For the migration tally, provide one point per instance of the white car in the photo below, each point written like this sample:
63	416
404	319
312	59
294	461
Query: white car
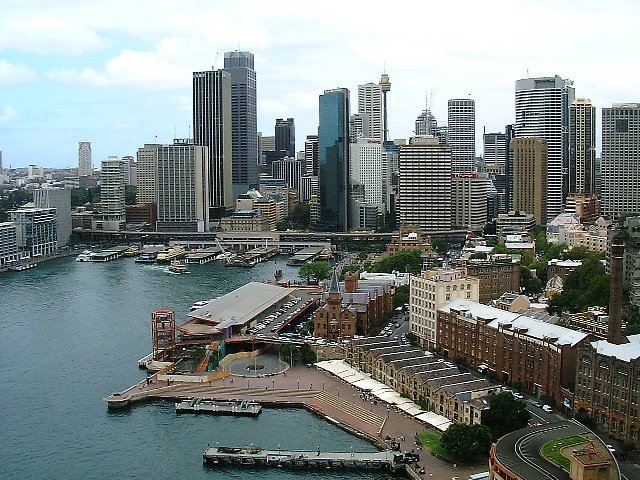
547	408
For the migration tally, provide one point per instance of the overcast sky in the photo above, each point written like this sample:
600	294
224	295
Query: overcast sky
118	73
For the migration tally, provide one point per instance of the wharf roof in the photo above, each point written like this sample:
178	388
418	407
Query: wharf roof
625	352
241	305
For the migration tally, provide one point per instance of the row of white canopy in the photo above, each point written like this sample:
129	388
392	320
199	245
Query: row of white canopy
364	382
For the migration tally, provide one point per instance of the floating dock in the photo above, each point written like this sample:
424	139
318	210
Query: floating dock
108	254
252	257
257	457
305	255
237	408
204	255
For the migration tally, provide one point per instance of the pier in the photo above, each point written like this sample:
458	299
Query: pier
108	254
305	255
235	408
204	255
257	457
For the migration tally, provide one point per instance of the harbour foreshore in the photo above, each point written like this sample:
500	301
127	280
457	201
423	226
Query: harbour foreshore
324	395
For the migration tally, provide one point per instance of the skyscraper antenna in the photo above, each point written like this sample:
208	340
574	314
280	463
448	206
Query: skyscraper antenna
384	66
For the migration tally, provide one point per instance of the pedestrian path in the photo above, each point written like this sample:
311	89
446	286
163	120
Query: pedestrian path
353	409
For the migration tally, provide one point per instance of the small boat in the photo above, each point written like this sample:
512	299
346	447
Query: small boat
84	256
278	274
177	266
132	251
198	304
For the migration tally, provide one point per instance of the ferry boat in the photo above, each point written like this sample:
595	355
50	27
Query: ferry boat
85	256
132	251
169	254
177	266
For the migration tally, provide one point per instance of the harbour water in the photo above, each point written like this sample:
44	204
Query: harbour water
72	332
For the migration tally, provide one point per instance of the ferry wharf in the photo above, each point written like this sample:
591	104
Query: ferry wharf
257	457
324	395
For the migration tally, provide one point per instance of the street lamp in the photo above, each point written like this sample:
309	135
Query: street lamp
322	384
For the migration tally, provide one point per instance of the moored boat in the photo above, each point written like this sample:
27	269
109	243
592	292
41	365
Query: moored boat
169	254
177	266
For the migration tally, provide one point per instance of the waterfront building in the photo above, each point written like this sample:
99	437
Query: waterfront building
333	160
112	196
582	147
530	167
244	121
183	188
371	109
516	347
147	171
461	113
469	200
288	169
245	221
212	129
8	244
60	199
425	184
85	165
352	307
542	110
431	290
36	231
285	136
621	159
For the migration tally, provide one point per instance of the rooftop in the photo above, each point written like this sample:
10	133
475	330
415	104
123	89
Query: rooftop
625	352
242	304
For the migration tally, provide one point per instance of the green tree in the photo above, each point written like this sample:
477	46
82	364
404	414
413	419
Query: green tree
283	225
505	414
404	261
12	200
401	296
466	441
478	255
500	248
300	216
439	245
584	418
586	286
530	285
318	270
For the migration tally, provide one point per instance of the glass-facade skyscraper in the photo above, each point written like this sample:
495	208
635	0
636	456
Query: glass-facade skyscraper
333	160
244	121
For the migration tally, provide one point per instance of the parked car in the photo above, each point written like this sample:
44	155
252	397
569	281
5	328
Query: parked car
547	408
536	404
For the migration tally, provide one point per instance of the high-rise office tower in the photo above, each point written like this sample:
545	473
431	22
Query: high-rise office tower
461	113
358	124
0	162
85	166
385	87
183	187
469	200
426	124
494	148
311	155
147	157
530	165
333	160
425	184
288	169
244	121
509	134
621	159
582	147
370	106
285	136
112	193
542	110
366	169
60	199
212	129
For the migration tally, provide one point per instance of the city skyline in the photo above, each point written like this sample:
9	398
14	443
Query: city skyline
89	73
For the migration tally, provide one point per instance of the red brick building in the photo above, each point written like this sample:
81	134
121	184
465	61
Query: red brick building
353	309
